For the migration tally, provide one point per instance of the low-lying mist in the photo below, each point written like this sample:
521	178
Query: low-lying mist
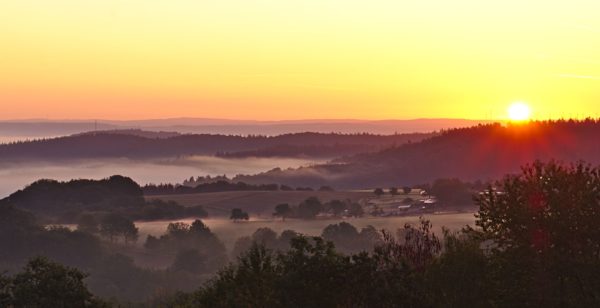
14	176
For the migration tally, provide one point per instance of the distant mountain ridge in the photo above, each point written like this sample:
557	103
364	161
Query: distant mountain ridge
39	128
135	144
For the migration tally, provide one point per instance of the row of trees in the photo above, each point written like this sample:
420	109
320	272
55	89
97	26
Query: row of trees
220	186
394	191
346	238
312	206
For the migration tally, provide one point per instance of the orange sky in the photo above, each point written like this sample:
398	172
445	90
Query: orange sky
298	59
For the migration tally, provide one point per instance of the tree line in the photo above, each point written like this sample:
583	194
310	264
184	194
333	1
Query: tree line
219	186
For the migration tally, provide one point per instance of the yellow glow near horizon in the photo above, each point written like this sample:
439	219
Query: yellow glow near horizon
273	59
519	112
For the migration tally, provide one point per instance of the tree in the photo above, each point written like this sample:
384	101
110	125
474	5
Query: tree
189	260
544	225
114	225
87	223
452	192
282	210
378	192
344	236
355	210
393	191
337	207
43	283
238	214
309	208
265	236
406	190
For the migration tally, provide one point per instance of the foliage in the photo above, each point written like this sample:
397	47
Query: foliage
62	199
181	236
282	210
348	240
452	192
546	221
88	223
113	226
237	214
189	260
43	283
309	208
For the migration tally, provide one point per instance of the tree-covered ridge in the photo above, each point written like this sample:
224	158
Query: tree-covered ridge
118	145
481	152
69	201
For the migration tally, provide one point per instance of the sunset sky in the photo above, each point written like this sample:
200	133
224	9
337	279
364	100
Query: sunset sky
298	59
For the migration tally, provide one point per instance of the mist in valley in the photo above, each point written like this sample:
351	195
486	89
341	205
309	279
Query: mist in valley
15	176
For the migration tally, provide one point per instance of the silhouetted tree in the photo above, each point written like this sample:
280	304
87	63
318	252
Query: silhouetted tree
114	225
238	214
355	210
544	224
406	190
43	283
336	207
378	192
393	191
309	208
282	210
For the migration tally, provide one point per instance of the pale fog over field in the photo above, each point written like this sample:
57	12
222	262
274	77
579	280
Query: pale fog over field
14	176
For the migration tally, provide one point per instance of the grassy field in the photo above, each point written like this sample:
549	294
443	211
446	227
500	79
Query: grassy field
259	204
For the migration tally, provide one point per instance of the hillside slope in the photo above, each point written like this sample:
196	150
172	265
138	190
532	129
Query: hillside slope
134	145
476	153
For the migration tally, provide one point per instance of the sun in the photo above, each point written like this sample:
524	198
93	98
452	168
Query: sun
519	111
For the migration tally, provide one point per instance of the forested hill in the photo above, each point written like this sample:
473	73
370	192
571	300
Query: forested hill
480	152
119	144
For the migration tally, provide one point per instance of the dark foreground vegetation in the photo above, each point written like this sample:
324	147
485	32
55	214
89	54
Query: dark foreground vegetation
536	244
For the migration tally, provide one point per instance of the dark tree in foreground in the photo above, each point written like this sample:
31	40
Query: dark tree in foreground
393	191
43	283
378	192
238	214
406	190
544	226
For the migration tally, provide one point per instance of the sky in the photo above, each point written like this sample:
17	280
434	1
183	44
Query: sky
298	59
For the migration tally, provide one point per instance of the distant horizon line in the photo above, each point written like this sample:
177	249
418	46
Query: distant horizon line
247	120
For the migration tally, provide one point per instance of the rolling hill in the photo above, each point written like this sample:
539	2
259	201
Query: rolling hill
136	144
477	153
